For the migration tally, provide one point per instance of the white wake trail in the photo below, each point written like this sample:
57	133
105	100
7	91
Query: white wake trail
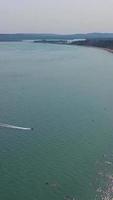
14	127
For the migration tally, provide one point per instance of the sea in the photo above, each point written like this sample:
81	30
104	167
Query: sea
65	93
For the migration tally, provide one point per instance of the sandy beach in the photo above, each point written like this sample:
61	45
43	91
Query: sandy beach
109	50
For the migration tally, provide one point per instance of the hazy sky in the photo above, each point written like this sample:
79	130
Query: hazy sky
56	16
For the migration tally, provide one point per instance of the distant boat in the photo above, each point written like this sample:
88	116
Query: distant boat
14	127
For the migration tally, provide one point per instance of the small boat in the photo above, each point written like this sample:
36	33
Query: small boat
14	127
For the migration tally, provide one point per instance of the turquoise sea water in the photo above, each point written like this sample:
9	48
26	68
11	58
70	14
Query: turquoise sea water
66	94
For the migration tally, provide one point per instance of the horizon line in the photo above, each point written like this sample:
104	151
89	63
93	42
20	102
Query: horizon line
50	33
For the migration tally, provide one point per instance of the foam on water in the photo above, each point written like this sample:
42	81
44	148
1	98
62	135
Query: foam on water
105	179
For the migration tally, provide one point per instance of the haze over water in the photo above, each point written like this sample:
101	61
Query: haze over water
66	94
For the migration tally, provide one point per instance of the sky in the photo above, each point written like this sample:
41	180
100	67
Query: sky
56	16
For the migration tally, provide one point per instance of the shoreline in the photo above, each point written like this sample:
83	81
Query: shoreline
108	50
101	48
77	43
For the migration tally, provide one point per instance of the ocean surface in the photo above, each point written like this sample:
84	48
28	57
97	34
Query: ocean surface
66	94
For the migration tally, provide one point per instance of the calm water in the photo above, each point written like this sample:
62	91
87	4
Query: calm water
66	94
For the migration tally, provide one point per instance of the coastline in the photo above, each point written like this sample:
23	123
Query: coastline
79	43
109	50
101	48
